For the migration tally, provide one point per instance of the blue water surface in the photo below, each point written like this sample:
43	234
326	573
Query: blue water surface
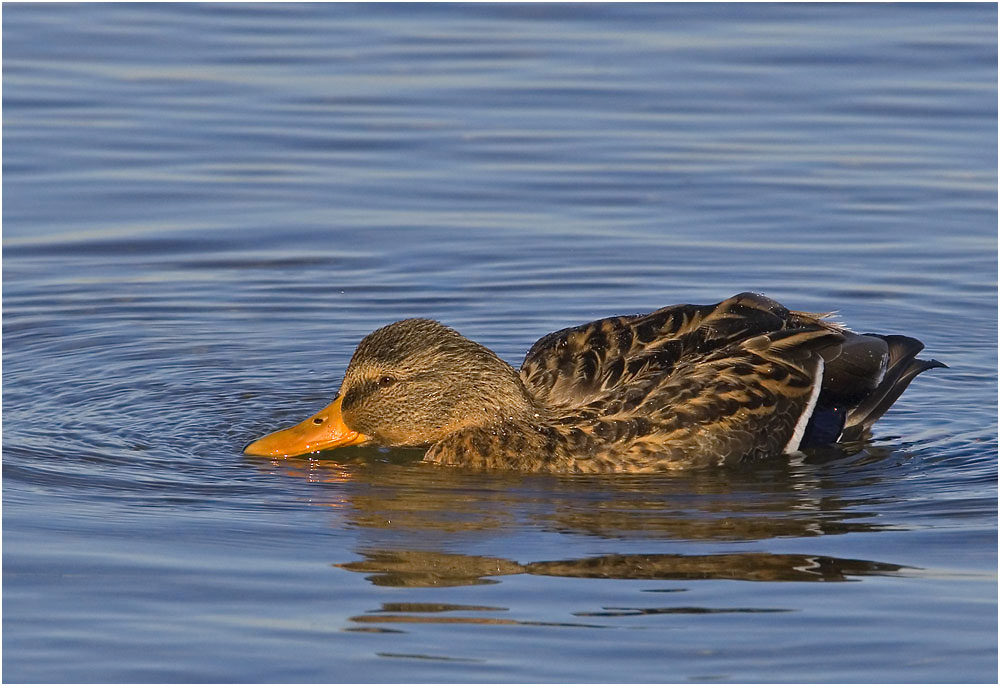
206	206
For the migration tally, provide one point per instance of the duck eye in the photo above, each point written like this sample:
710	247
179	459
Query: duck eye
386	381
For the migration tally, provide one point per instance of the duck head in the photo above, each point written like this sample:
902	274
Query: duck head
410	383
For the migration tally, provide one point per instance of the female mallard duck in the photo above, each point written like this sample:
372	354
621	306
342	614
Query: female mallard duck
684	386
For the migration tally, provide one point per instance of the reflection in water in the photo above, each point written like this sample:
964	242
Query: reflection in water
640	611
423	569
390	497
436	607
774	499
407	513
415	568
376	616
496	621
419	656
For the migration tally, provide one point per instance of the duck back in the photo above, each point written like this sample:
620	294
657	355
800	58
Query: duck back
710	384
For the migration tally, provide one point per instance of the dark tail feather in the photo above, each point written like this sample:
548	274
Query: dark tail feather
901	368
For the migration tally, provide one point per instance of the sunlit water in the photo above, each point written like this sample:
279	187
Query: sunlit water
206	207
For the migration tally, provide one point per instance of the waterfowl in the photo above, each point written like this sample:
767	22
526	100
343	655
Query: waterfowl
684	386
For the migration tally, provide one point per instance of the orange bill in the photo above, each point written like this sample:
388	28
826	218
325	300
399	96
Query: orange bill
324	430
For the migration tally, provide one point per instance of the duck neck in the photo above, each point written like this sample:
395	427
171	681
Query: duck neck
494	395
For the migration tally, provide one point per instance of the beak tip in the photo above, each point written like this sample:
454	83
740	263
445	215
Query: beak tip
258	448
249	450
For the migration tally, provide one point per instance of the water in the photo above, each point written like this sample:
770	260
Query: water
207	206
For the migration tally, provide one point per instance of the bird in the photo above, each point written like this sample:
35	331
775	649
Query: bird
685	386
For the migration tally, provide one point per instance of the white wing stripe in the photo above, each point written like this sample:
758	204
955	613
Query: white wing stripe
807	413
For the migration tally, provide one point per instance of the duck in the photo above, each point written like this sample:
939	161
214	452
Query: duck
685	386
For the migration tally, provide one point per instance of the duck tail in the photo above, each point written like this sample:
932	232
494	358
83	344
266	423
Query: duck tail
868	374
901	367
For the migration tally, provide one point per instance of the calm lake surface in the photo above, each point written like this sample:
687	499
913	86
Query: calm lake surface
207	206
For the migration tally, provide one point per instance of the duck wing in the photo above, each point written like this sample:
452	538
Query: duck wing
745	401
575	367
690	384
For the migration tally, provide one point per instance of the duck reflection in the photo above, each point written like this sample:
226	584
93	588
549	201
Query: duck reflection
772	500
408	513
423	569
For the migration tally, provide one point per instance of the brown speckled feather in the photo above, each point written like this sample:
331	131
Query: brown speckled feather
569	368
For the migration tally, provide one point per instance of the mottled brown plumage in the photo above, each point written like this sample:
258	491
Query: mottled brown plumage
684	386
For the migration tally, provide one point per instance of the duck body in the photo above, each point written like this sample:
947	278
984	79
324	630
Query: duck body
684	386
